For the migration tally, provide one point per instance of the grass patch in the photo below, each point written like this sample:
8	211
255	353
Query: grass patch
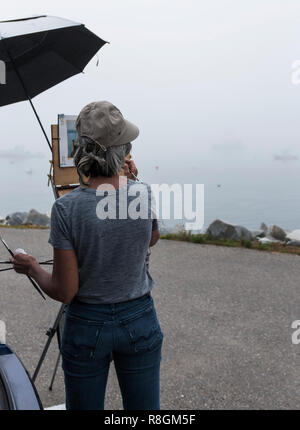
206	239
25	227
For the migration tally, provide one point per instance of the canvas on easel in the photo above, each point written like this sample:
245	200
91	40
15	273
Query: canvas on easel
67	138
64	178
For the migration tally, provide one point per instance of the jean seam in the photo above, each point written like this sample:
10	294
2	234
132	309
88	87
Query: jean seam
64	344
136	315
157	336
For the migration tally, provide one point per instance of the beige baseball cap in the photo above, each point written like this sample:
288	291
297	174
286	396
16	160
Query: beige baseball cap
103	123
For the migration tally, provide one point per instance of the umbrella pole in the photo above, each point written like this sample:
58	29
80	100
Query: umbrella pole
39	121
27	95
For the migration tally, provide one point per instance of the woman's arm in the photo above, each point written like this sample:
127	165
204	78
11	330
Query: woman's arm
154	237
62	284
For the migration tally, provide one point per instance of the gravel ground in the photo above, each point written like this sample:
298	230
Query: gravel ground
226	314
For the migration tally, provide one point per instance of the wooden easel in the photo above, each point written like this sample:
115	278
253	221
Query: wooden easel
63	179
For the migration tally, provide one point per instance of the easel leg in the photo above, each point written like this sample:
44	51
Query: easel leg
58	357
51	332
54	372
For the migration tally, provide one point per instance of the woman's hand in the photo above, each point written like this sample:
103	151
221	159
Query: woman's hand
23	263
62	284
129	167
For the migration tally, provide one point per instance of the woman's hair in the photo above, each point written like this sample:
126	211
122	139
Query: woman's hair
92	161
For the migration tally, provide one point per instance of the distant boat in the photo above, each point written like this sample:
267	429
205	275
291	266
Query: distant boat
285	157
218	185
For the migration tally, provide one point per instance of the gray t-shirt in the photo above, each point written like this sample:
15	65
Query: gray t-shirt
111	252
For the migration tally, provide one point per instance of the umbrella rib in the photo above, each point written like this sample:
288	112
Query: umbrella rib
28	50
24	19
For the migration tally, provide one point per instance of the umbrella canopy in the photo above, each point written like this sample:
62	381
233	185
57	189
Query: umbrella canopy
40	52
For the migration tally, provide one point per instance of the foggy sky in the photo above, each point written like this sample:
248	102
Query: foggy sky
207	82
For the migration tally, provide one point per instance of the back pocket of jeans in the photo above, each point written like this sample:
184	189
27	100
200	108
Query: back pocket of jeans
143	330
80	338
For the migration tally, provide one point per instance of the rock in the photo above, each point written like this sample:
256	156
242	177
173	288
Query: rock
264	227
178	228
224	230
174	229
257	233
16	218
36	218
293	243
276	232
268	240
163	229
293	235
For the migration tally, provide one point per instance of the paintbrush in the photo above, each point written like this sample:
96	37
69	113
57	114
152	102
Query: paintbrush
30	279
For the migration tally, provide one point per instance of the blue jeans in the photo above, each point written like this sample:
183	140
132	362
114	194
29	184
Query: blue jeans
131	331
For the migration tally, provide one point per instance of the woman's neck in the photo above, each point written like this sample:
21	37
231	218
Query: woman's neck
117	181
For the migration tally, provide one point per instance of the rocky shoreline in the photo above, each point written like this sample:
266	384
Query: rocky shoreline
218	229
31	218
224	230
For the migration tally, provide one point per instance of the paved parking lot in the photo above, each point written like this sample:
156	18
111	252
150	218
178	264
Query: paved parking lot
226	314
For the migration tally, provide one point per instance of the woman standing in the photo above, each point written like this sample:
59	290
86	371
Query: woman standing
100	248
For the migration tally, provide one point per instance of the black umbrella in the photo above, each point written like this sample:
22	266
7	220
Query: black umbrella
39	52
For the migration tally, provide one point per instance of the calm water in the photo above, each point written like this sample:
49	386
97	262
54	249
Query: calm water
248	195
